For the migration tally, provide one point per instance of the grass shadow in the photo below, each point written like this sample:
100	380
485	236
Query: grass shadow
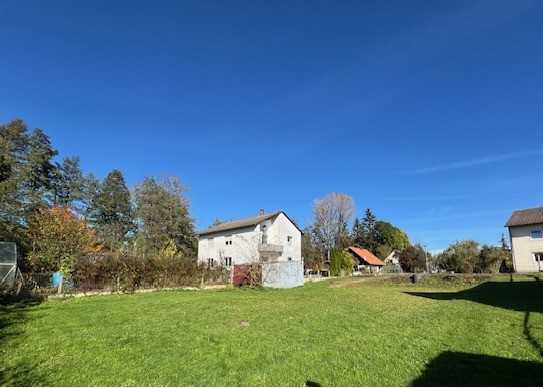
14	312
518	296
22	375
465	369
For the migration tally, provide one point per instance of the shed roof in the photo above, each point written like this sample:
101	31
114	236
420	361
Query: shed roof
243	223
526	217
367	256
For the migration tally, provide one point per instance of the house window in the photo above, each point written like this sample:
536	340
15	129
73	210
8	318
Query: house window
228	240
536	234
289	240
538	257
228	261
264	238
210	262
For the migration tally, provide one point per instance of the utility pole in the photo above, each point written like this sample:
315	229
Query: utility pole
426	259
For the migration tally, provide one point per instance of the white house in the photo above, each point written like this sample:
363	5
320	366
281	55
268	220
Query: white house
393	258
271	239
526	233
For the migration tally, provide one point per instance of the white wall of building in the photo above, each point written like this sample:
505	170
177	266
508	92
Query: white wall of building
243	250
245	242
524	247
279	232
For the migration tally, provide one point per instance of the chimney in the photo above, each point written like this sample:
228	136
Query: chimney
261	212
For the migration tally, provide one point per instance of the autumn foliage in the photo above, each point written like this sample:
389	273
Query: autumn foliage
58	239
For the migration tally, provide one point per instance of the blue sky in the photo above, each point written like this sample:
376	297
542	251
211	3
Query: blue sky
429	113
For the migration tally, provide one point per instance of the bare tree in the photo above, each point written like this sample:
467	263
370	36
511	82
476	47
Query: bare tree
331	216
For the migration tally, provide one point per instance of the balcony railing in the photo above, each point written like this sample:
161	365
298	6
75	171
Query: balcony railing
270	248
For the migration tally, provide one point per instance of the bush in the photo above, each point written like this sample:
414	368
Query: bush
341	262
461	257
110	271
469	257
492	259
413	259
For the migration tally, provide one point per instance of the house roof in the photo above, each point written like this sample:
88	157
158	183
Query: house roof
526	217
243	223
366	255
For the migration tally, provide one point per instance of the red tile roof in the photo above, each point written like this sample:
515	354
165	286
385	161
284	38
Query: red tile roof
366	255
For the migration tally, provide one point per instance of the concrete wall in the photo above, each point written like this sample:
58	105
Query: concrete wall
524	247
283	274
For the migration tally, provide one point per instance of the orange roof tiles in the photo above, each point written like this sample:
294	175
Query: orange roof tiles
367	256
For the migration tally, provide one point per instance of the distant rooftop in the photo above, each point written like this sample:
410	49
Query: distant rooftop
526	217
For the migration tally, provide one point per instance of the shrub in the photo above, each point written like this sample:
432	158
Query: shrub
341	262
123	272
413	259
461	256
491	259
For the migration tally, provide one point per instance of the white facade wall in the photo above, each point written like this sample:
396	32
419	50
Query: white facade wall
278	234
243	250
524	247
245	242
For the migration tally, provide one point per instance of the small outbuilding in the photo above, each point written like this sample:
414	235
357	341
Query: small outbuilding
365	261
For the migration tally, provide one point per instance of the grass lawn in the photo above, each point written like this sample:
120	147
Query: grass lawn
346	332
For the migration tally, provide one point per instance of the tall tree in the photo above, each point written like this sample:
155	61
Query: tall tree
89	195
365	234
389	238
331	217
13	150
311	253
163	215
112	210
68	183
39	169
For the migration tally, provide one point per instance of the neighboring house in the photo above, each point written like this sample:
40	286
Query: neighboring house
393	258
271	239
365	261
526	233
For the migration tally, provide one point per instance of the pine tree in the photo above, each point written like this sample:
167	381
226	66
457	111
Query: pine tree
13	151
163	215
112	210
368	236
357	234
68	183
39	170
